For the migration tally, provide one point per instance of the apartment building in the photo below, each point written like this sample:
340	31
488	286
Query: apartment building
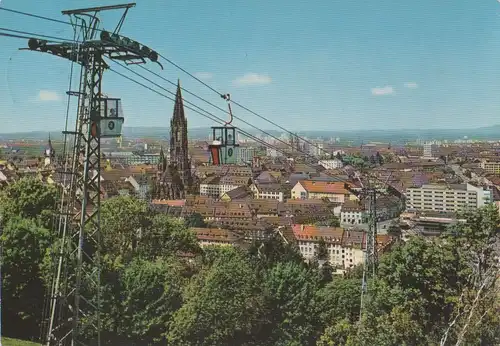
448	198
430	150
216	186
492	167
268	191
353	213
331	164
246	154
345	248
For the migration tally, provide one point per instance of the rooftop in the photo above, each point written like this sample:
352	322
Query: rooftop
324	187
215	234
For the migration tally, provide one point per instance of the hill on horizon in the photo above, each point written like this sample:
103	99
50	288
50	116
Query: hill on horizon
388	135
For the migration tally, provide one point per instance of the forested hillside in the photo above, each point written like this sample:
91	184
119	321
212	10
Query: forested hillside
428	292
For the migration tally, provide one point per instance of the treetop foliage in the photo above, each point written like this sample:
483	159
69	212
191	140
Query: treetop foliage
440	291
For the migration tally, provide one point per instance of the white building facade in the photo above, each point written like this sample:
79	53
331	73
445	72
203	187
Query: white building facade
331	164
447	198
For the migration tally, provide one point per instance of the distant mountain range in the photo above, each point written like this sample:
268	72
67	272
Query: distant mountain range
392	136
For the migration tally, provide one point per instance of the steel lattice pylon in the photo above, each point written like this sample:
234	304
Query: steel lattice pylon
75	297
368	194
371	239
80	263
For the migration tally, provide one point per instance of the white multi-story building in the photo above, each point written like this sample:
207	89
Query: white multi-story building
272	152
448	198
216	186
246	154
430	150
331	164
492	167
267	191
318	149
345	249
353	213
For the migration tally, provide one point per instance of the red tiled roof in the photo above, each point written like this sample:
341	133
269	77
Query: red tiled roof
324	187
338	235
171	203
310	232
215	234
352	206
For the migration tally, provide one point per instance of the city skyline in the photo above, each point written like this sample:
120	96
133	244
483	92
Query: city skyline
352	66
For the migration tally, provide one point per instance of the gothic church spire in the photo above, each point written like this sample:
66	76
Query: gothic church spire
179	104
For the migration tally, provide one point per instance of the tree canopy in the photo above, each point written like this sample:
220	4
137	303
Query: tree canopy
159	287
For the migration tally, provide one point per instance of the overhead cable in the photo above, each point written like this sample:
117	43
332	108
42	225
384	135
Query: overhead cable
186	72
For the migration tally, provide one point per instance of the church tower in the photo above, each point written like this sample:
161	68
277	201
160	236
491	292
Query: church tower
179	156
174	180
162	161
49	154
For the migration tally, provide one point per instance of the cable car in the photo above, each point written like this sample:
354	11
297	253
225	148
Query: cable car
111	119
224	149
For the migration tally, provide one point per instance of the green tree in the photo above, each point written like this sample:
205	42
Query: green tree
398	327
139	298
131	228
223	305
341	333
290	290
425	274
25	243
195	220
332	221
152	292
394	229
266	254
340	299
167	236
475	244
323	260
430	291
322	251
26	215
122	220
29	198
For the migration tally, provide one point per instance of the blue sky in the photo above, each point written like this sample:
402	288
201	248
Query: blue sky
321	64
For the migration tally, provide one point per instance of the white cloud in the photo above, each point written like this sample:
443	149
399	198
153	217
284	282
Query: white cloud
387	90
253	79
204	75
411	85
48	96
